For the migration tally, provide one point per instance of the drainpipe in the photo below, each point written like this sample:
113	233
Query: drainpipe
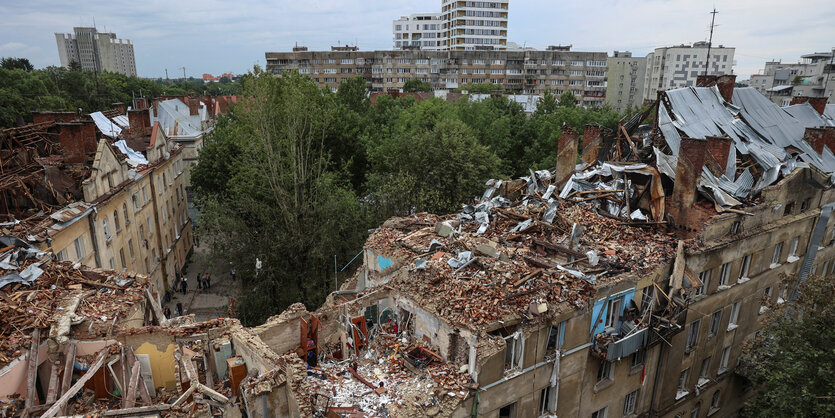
94	236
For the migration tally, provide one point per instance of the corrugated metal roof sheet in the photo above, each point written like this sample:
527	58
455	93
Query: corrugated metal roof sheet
807	115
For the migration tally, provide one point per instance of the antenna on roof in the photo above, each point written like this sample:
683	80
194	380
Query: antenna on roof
710	41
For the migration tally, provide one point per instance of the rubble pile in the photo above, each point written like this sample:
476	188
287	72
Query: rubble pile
502	258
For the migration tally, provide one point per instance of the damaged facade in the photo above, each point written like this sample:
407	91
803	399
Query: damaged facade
621	286
106	190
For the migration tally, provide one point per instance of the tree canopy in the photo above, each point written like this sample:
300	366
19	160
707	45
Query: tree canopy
413	85
792	362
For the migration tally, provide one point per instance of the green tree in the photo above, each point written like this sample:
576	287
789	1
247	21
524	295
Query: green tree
74	66
414	85
792	362
568	99
268	195
547	104
10	63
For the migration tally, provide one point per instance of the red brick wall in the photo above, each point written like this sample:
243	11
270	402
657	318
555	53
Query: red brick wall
48	116
819	103
77	139
568	135
591	133
719	147
818	137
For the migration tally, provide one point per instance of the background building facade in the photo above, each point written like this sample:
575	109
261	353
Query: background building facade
418	31
475	25
812	76
96	51
625	80
526	72
678	66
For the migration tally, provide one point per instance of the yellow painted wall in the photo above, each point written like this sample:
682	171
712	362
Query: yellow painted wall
162	364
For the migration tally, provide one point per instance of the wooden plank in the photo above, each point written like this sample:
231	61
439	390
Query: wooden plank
212	393
52	392
143	390
134	380
66	379
139	411
184	396
32	373
51	412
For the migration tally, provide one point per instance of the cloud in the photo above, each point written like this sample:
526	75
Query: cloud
216	35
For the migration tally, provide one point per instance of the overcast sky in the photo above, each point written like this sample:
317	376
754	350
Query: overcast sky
212	36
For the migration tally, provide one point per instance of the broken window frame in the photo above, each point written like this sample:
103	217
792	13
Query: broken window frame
695	412
125	213
612	314
515	347
778	252
704	277
556	332
793	246
724	360
630	402
714	399
682	380
105	227
637	359
693	336
704	369
548	400
512	412
79	248
744	266
116	223
605	371
715	321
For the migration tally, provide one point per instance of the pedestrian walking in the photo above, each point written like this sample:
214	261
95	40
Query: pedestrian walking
185	285
208	280
200	280
233	273
167	312
179	309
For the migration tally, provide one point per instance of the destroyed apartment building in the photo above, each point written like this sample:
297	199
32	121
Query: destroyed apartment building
620	286
107	189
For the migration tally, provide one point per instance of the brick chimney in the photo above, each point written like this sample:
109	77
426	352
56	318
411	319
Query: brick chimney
566	154
222	104
691	159
719	147
210	106
120	107
592	136
140	103
77	139
155	106
819	103
193	105
725	82
818	137
140	122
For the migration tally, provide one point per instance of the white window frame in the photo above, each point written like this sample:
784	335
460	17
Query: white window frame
548	400
732	321
793	250
515	345
605	371
744	266
79	248
725	274
723	361
693	336
704	277
613	314
601	413
715	321
775	256
704	372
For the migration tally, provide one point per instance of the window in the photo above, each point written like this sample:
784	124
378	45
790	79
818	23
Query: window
554	338
116	221
789	209
723	362
112	264
605	371
79	248
734	316
548	400
62	255
743	267
695	412
125	213
715	320
106	228
601	413
122	257
513	351
804	204
136	203
682	381
612	313
144	193
150	227
629	403
704	371
693	335
793	248
735	228
142	232
723	276
508	411
714	400
775	257
130	249
704	277
637	359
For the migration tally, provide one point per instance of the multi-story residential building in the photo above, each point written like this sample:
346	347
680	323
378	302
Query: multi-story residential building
460	26
625	80
475	25
812	76
113	195
419	31
526	72
96	51
679	66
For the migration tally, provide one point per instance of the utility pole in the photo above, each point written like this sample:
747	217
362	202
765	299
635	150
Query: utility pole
166	74
710	41
184	73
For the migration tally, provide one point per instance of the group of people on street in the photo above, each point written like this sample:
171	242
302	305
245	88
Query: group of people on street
178	310
204	281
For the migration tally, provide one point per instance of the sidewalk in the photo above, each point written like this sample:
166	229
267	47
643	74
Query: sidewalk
209	303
